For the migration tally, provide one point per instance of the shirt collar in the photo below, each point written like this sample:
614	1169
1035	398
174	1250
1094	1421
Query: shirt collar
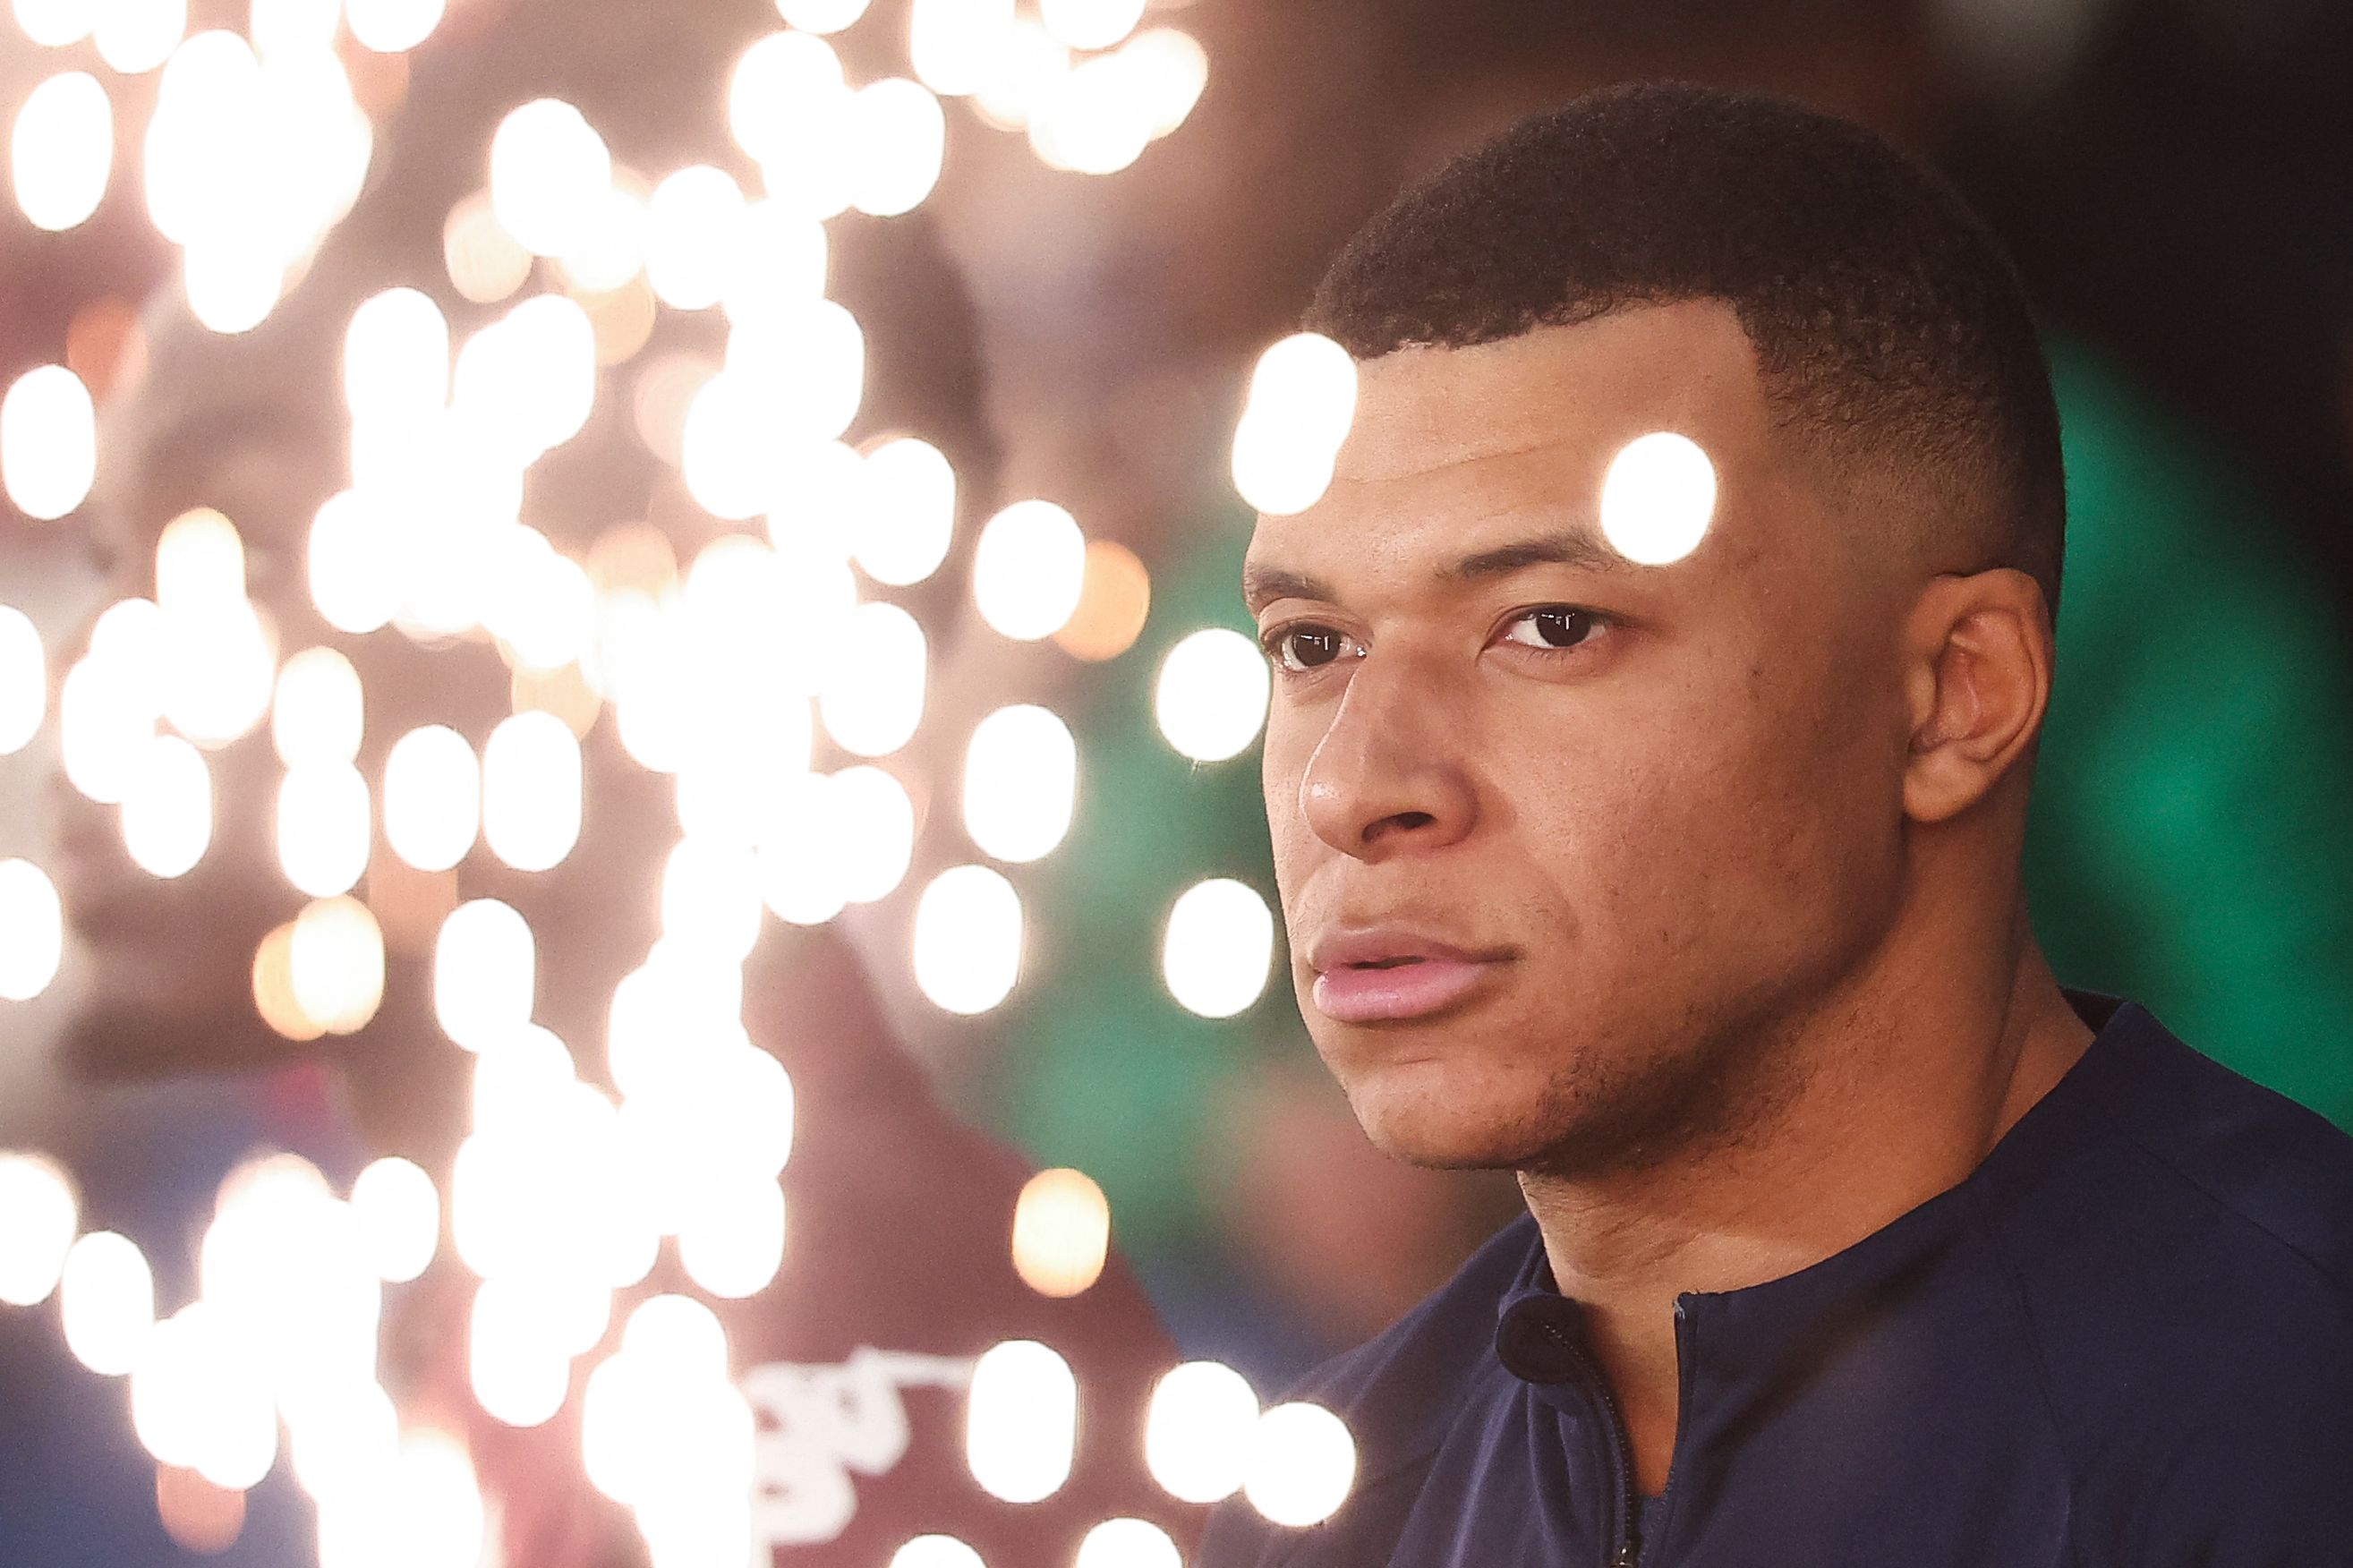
1541	1334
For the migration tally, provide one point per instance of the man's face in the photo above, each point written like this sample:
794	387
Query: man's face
1634	819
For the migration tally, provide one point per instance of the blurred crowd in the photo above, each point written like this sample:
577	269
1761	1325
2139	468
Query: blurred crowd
2173	176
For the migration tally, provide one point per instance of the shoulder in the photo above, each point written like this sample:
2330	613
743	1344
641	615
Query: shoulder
2232	1163
1400	1392
2186	1270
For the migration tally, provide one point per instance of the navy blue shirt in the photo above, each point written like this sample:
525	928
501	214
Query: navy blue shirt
2124	1340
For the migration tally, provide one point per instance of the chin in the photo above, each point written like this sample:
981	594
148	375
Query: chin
1428	1115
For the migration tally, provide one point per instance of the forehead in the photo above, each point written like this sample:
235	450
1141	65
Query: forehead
1453	450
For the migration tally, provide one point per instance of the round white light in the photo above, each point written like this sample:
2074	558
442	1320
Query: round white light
1212	694
1128	1544
432	797
897	137
62	150
1198	1429
1020	783
1021	1421
1301	1465
1218	947
38	1217
24	680
167	812
48	442
967	939
1028	570
936	1551
399	1217
393	27
106	1299
909	517
549	170
1658	498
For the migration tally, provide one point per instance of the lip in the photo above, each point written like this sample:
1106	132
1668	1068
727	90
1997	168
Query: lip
1420	974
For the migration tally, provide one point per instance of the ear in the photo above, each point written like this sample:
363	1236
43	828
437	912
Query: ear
1978	660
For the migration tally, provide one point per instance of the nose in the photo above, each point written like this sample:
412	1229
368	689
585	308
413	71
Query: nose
1389	774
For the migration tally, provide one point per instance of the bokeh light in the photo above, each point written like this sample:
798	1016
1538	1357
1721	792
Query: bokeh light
324	827
821	15
393	27
967	939
54	24
106	1302
1128	1544
24	680
733	1242
485	974
875	819
397	359
134	36
1029	568
1198	1429
38	1216
432	797
1657	499
1169	70
908	519
1113	603
531	791
32	933
952	44
1090	24
1302	1464
354	581
167	811
874	696
1303	400
518	1376
1020	783
549	171
62	150
48	442
1024	68
1218	947
399	1215
1021	1421
1091	119
336	956
898	136
1210	700
690	225
936	1551
273	986
1062	1232
318	714
485	263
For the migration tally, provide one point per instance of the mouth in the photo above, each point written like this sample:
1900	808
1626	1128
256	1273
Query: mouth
1386	978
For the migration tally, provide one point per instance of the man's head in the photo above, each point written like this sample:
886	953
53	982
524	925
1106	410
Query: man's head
1668	812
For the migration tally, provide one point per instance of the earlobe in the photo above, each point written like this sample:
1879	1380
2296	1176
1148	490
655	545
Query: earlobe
1978	656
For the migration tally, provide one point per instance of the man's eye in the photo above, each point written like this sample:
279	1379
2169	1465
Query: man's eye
1300	649
1555	628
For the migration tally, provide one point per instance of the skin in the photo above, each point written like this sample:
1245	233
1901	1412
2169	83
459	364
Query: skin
1745	848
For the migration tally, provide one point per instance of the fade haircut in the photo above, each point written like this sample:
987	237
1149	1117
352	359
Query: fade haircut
1892	334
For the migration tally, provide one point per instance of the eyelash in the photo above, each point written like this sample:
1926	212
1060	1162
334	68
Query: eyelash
1274	640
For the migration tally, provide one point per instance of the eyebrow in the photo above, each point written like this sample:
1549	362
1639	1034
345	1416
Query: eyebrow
1565	547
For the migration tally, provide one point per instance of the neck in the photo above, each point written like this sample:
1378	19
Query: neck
1902	1080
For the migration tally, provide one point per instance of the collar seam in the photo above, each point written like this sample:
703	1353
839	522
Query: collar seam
1983	1229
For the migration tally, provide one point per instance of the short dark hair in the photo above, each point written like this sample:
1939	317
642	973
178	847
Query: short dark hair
1890	328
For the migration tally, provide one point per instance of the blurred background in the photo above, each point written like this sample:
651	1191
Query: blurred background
561	557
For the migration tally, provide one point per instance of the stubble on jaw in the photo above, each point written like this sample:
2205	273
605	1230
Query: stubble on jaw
1713	1091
